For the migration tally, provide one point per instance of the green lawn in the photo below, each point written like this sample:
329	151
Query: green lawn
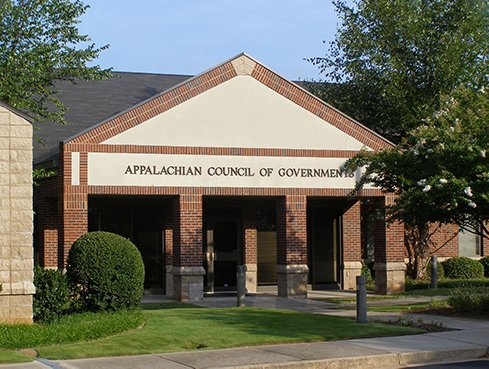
169	329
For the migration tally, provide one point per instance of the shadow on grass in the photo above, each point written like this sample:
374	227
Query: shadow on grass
283	324
168	305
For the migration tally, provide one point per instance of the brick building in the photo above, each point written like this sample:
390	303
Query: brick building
234	166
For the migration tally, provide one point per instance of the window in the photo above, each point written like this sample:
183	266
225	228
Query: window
469	244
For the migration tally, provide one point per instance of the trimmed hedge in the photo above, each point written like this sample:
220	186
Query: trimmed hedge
463	268
106	272
52	298
447	283
471	300
485	263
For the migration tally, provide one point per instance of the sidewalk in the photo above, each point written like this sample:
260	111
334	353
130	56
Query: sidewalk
469	341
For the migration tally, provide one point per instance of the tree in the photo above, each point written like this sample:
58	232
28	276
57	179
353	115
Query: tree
439	172
393	60
39	44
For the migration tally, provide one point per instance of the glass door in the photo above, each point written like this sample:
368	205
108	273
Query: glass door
222	254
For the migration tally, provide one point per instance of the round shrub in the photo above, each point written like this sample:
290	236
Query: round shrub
485	263
52	298
106	272
463	268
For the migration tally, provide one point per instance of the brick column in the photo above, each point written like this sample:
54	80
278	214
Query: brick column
292	267
250	248
188	272
352	246
389	267
75	205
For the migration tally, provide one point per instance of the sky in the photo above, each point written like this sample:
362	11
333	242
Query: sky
191	36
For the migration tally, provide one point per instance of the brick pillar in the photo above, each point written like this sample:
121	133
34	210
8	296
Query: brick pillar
188	272
75	205
292	267
389	267
352	246
250	248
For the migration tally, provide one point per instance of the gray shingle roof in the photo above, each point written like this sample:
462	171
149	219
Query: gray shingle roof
91	102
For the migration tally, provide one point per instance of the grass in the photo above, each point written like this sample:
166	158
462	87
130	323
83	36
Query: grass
417	307
168	329
70	328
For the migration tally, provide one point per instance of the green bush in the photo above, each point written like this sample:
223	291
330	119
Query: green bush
470	300
485	263
447	283
52	298
439	268
106	272
463	268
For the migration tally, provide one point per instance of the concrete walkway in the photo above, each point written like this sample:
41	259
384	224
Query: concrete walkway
468	340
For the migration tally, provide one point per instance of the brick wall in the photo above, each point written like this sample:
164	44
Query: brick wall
47	204
249	235
16	215
389	238
352	243
187	248
292	230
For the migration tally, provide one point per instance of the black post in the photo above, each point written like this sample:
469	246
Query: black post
241	285
434	272
361	299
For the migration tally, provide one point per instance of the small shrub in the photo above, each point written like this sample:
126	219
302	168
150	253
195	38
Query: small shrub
52	298
412	284
463	268
106	272
368	273
439	268
485	263
470	300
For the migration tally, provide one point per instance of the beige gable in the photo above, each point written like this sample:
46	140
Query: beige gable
240	112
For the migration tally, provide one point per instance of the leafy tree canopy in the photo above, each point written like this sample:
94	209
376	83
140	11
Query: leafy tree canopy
393	60
440	170
39	44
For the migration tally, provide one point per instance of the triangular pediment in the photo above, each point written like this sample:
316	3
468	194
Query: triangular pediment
238	104
240	112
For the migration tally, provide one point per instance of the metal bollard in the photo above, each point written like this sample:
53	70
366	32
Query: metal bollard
241	285
361	299
434	272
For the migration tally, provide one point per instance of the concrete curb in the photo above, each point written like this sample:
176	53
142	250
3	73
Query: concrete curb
393	360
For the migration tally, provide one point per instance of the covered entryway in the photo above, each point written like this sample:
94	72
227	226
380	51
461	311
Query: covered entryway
142	221
324	248
222	250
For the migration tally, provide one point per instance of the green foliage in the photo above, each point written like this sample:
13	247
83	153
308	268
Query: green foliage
470	300
41	173
69	328
485	263
367	271
439	171
412	285
39	44
52	298
106	272
463	268
392	60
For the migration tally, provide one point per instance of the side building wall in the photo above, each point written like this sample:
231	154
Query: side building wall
16	252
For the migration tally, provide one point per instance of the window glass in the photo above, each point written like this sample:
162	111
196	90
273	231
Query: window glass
468	244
